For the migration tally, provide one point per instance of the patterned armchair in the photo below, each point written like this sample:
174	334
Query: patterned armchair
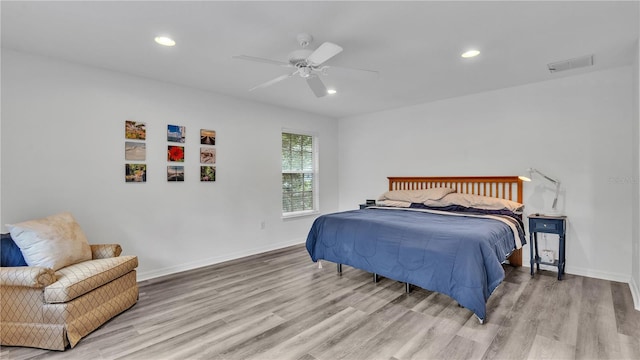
50	310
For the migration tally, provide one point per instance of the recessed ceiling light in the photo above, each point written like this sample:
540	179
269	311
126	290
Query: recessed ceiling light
470	54
166	41
331	91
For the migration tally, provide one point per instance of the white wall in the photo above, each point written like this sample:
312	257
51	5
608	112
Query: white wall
578	129
63	140
1	142
63	149
635	253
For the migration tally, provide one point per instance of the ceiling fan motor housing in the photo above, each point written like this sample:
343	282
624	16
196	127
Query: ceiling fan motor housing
304	39
299	57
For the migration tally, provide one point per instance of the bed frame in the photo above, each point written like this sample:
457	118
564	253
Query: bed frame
503	187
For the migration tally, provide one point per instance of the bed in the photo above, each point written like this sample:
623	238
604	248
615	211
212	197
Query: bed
439	248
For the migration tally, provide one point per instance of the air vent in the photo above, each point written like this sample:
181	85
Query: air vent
571	64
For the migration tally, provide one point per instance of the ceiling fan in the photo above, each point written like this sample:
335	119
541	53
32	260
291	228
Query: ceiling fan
308	64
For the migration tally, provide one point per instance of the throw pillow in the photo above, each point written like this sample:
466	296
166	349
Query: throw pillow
476	201
10	254
52	242
416	196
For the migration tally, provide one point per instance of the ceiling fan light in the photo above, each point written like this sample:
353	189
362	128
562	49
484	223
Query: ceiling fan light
164	40
470	54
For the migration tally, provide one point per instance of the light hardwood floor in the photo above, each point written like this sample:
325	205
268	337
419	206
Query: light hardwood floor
279	305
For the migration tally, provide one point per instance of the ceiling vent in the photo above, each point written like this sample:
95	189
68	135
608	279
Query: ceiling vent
571	64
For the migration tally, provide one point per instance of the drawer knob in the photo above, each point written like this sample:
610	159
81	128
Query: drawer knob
545	225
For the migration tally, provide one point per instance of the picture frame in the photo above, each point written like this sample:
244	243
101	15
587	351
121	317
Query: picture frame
207	173
175	173
135	172
135	151
208	155
135	130
207	137
176	133
175	153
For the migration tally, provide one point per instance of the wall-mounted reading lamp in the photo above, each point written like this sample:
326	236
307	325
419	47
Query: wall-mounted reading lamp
552	180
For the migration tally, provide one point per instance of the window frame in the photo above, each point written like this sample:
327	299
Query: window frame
315	173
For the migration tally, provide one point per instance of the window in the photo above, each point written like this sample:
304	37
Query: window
299	195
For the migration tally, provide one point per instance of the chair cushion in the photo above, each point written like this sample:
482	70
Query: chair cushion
78	279
10	254
25	276
52	242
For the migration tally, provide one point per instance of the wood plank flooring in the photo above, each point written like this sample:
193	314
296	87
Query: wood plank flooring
280	305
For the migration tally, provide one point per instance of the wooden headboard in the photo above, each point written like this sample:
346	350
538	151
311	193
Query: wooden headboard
503	187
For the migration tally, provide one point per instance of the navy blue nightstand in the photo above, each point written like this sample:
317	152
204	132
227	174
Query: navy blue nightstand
550	224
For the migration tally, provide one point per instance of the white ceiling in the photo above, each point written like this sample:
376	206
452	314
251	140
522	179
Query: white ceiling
415	46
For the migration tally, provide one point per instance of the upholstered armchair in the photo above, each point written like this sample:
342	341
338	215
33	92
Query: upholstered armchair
50	309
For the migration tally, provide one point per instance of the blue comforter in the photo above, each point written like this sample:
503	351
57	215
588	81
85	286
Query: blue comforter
455	255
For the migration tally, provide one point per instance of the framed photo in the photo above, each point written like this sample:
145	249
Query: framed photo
176	133
207	173
207	155
175	173
135	130
207	137
175	153
135	172
135	151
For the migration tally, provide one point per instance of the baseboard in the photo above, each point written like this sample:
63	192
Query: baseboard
147	275
633	285
635	292
603	275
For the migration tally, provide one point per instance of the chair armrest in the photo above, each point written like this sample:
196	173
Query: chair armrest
104	251
27	276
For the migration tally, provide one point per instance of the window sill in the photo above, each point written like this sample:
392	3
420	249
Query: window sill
300	214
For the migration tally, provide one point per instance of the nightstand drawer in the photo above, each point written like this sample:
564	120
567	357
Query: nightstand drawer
548	225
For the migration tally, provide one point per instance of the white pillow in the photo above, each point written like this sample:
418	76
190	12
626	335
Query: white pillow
52	242
476	201
394	203
416	196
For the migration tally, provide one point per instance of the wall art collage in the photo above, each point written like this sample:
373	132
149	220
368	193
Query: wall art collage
207	155
175	153
135	150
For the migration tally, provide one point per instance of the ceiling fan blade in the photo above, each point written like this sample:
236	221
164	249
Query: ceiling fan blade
262	60
273	81
325	52
363	74
317	86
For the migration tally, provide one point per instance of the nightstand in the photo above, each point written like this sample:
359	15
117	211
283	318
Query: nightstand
549	224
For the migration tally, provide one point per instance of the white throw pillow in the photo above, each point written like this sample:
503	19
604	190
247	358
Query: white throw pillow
52	242
476	201
393	203
416	196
